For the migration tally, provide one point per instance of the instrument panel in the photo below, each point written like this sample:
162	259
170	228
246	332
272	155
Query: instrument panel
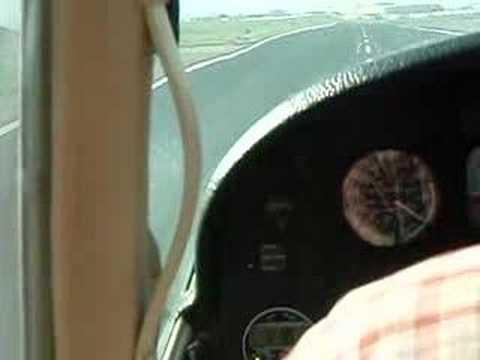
347	192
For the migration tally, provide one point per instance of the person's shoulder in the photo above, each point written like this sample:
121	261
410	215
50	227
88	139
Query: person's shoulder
431	297
439	268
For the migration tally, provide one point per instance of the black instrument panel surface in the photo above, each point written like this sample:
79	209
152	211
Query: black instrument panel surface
275	233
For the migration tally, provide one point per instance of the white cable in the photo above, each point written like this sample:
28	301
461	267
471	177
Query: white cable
165	46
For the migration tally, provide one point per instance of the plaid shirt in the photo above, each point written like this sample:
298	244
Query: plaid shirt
428	311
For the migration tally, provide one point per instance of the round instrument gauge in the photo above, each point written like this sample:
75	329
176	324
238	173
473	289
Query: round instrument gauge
271	334
390	197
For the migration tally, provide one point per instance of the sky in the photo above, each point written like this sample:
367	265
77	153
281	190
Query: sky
194	8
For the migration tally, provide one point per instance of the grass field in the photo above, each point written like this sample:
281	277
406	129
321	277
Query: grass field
9	98
465	23
205	38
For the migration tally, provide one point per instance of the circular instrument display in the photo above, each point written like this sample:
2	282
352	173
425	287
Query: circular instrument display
271	334
390	197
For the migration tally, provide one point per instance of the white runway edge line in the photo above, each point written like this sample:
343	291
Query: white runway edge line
245	50
435	30
9	127
440	31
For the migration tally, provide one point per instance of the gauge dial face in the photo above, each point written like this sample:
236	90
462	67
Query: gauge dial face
390	197
272	333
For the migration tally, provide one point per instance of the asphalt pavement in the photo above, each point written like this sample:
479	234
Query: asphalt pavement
232	95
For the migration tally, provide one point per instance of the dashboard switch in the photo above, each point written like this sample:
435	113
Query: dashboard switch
272	257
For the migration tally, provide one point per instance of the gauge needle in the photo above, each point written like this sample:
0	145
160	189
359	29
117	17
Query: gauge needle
400	228
407	209
381	165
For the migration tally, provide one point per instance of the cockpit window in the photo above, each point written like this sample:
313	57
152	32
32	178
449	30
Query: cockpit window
245	57
9	62
10	279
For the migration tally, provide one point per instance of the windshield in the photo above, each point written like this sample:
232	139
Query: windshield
245	57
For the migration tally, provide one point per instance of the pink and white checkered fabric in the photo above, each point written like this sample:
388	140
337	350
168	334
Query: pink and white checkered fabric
428	311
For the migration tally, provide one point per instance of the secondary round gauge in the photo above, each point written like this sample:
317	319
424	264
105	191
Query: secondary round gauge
390	197
272	333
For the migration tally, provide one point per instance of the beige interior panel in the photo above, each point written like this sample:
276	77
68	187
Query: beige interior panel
101	82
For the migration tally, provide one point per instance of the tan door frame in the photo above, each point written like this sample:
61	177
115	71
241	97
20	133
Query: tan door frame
101	86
